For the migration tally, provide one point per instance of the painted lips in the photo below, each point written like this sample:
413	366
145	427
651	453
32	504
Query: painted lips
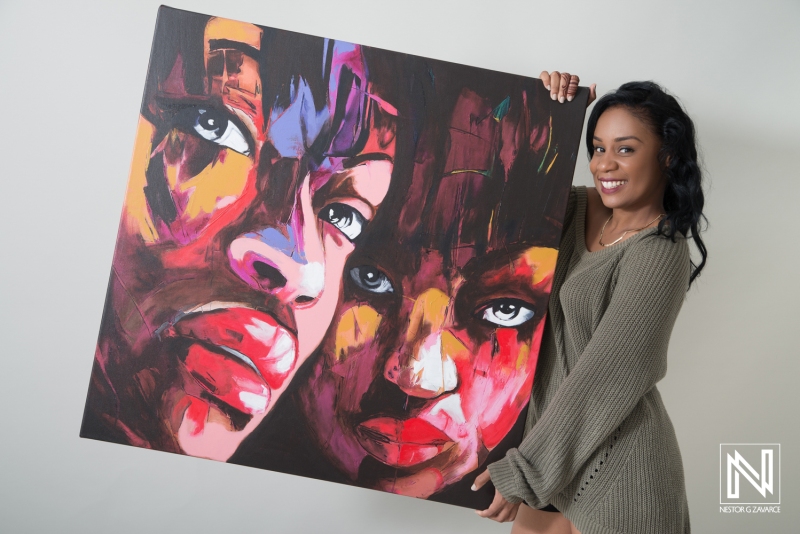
240	355
402	443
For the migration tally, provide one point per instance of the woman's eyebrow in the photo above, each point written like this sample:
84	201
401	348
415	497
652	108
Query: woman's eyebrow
618	139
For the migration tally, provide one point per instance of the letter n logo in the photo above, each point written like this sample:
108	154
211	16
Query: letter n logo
748	473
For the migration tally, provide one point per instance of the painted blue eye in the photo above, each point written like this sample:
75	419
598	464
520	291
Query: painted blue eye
371	279
507	312
346	218
215	126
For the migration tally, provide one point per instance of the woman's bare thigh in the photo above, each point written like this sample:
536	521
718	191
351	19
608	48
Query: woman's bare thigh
530	521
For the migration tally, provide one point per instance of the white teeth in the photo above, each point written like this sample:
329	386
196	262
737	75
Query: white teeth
613	185
282	354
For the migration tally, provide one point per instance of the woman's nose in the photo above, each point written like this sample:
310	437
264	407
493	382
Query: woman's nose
606	162
284	260
425	366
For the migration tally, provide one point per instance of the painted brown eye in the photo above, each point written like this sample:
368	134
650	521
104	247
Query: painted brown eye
507	312
371	279
346	218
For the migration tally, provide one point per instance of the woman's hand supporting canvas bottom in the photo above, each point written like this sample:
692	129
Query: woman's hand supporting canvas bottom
500	510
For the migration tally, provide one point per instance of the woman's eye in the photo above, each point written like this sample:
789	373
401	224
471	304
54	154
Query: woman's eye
371	279
215	126
625	150
507	312
346	218
598	149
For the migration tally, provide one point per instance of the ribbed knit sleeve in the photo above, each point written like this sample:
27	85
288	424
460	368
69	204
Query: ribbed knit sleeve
623	358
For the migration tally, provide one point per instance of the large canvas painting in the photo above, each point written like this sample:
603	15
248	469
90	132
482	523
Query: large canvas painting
333	260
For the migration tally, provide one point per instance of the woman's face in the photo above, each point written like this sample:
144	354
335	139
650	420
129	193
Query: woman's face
625	163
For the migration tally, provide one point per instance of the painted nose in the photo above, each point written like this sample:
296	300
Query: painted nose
284	260
425	367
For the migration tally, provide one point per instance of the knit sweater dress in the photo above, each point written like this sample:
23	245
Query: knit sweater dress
599	445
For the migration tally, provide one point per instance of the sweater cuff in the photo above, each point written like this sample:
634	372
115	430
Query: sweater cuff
504	478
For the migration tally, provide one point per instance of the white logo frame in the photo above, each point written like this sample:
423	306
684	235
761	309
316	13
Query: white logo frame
735	464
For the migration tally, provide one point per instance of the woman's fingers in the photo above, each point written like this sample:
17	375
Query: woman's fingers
508	513
495	508
481	479
500	510
545	77
572	87
555	83
563	85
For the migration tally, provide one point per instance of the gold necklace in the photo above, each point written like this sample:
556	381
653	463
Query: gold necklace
603	229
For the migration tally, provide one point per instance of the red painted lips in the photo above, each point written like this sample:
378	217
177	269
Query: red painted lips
241	355
402	443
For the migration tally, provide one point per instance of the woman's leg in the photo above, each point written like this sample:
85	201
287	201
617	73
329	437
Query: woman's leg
530	521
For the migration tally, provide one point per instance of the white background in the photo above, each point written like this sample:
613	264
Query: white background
71	80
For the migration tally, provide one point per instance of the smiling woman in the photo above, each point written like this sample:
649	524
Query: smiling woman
600	447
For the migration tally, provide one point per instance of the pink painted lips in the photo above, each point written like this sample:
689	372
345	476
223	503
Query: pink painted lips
402	443
240	354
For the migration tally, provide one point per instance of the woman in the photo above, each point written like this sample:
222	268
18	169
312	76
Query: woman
600	448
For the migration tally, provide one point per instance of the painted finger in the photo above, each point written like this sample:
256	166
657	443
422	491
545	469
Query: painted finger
572	88
563	84
592	94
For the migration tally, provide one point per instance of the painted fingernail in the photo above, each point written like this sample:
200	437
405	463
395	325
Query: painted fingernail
547	87
553	96
561	99
569	98
474	487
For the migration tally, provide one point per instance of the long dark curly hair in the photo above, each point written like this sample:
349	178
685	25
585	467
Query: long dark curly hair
683	196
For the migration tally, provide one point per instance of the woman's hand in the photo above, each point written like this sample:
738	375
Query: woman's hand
500	510
563	86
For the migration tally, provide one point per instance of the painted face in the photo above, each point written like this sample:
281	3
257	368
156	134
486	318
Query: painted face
432	355
428	372
234	239
625	163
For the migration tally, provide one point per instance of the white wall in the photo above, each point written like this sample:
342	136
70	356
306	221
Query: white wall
71	80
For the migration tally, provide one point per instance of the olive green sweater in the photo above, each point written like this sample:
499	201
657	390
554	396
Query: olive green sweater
600	446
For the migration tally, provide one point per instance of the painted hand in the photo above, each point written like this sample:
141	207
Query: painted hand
500	510
563	86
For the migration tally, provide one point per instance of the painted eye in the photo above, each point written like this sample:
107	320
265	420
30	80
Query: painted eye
346	218
371	279
215	126
507	312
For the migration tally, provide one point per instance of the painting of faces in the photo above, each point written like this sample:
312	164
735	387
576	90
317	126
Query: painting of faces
333	260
